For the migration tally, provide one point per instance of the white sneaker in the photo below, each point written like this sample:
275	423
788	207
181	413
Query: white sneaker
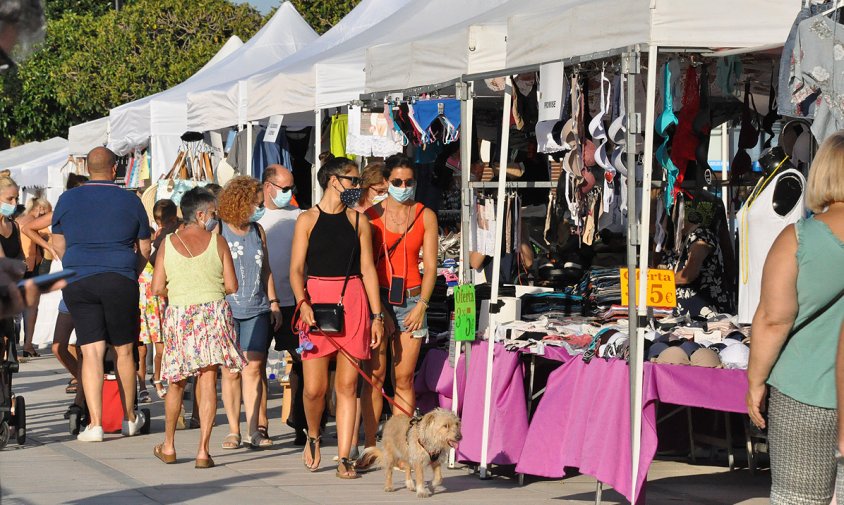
91	434
130	429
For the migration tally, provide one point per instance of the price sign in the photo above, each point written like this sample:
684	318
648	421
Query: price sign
464	313
662	292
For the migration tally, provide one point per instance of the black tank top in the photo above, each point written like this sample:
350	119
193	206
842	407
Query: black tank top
332	243
12	245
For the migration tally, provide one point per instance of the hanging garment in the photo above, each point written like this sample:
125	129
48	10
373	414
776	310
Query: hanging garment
785	106
665	124
425	112
617	131
264	154
702	124
748	138
546	141
727	76
759	226
237	154
370	134
816	66
339	132
685	142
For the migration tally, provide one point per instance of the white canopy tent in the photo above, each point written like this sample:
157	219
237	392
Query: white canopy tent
225	103
16	156
568	33
129	124
44	172
86	136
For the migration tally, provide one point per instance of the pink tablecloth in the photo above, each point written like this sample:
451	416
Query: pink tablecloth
583	419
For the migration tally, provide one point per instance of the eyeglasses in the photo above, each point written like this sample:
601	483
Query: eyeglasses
354	180
397	183
6	62
284	189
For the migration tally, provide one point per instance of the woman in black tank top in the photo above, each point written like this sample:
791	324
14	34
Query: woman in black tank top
333	243
10	241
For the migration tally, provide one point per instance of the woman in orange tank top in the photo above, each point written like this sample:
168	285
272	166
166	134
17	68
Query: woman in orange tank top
401	228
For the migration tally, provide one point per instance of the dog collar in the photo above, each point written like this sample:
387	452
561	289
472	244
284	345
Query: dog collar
434	456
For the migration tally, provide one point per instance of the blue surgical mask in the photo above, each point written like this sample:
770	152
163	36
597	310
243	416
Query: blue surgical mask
402	195
282	198
7	209
257	215
211	224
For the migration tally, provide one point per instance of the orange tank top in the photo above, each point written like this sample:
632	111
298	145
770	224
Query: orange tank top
404	259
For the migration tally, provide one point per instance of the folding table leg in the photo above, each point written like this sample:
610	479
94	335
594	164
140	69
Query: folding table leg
599	491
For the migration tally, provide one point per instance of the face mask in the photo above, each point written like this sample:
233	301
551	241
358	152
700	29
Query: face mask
282	198
257	215
402	195
211	224
378	199
350	196
7	209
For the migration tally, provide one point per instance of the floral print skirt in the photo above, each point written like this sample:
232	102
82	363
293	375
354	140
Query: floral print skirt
152	310
199	336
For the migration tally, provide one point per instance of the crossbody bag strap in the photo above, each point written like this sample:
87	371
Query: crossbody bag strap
395	245
816	314
351	259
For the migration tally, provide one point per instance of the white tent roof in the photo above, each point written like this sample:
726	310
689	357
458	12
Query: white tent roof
20	155
284	35
586	27
334	77
86	136
222	104
37	172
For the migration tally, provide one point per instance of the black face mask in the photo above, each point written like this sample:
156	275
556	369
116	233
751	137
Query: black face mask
350	196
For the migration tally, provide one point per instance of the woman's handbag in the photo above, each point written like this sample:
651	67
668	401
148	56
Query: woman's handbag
329	317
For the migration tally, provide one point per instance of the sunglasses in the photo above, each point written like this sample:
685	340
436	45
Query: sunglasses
6	62
397	183
284	189
354	180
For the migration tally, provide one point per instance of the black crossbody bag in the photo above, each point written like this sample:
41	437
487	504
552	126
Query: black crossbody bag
330	316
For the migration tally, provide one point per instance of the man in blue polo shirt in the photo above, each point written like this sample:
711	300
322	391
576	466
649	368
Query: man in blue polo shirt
102	232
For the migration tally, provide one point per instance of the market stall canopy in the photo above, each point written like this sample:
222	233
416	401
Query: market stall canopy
86	136
225	103
130	122
16	156
42	172
588	27
337	77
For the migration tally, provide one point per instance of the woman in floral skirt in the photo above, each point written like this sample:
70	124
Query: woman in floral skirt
194	270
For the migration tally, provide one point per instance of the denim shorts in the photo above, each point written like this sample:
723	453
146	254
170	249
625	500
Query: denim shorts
253	334
399	312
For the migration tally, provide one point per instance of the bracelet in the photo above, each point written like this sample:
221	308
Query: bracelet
275	300
424	302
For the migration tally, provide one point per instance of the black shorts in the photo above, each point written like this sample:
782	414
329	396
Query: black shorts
104	307
285	339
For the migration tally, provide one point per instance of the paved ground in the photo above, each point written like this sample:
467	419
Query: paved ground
53	468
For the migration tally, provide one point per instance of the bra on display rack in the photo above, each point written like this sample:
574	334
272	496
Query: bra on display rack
748	138
665	124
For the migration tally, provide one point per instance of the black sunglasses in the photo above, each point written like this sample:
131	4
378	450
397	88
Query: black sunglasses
6	62
397	183
354	180
284	189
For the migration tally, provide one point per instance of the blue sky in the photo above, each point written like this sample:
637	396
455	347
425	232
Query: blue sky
262	5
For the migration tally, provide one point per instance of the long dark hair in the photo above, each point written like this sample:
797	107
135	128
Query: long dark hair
332	167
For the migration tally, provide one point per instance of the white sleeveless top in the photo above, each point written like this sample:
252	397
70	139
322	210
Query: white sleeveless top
759	226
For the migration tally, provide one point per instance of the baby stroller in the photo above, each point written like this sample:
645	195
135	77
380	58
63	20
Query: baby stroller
12	407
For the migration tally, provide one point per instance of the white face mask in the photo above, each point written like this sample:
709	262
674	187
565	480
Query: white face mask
379	198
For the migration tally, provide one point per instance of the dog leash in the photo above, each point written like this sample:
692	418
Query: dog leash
353	361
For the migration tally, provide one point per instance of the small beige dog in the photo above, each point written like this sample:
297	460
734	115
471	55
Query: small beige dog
413	444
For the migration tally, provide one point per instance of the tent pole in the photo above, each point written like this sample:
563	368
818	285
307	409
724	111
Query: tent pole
725	175
316	190
636	354
464	92
249	146
496	269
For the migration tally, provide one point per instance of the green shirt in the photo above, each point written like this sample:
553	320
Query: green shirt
195	280
805	369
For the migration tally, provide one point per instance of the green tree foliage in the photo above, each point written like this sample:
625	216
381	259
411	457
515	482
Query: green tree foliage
57	8
323	14
92	63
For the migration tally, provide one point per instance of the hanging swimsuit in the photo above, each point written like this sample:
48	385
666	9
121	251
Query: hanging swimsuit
702	125
748	138
426	112
685	142
665	124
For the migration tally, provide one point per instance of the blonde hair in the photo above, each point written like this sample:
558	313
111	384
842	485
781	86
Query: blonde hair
826	177
38	201
6	180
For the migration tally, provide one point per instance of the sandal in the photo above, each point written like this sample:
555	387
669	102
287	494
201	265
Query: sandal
71	389
232	441
346	470
143	396
311	448
259	440
159	389
168	459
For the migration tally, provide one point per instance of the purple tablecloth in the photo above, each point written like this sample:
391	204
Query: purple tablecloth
583	419
435	381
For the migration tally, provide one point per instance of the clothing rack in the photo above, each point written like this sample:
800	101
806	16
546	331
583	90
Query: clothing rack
513	184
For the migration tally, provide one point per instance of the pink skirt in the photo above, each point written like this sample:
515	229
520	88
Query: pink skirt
355	337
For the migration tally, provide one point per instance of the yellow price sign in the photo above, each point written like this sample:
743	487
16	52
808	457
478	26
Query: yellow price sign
662	291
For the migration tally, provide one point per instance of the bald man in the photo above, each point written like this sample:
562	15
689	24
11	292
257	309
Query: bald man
101	231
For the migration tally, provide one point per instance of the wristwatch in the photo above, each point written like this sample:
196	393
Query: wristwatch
275	300
374	316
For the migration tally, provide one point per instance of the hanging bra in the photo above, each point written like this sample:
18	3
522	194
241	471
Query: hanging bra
665	125
748	138
702	124
618	129
597	130
573	161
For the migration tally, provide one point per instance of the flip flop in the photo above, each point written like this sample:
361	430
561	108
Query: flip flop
312	443
346	470
168	459
231	441
204	463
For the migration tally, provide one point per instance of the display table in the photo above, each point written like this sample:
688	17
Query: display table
583	420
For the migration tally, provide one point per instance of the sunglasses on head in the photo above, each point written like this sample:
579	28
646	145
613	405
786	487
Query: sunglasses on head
407	182
353	179
284	189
